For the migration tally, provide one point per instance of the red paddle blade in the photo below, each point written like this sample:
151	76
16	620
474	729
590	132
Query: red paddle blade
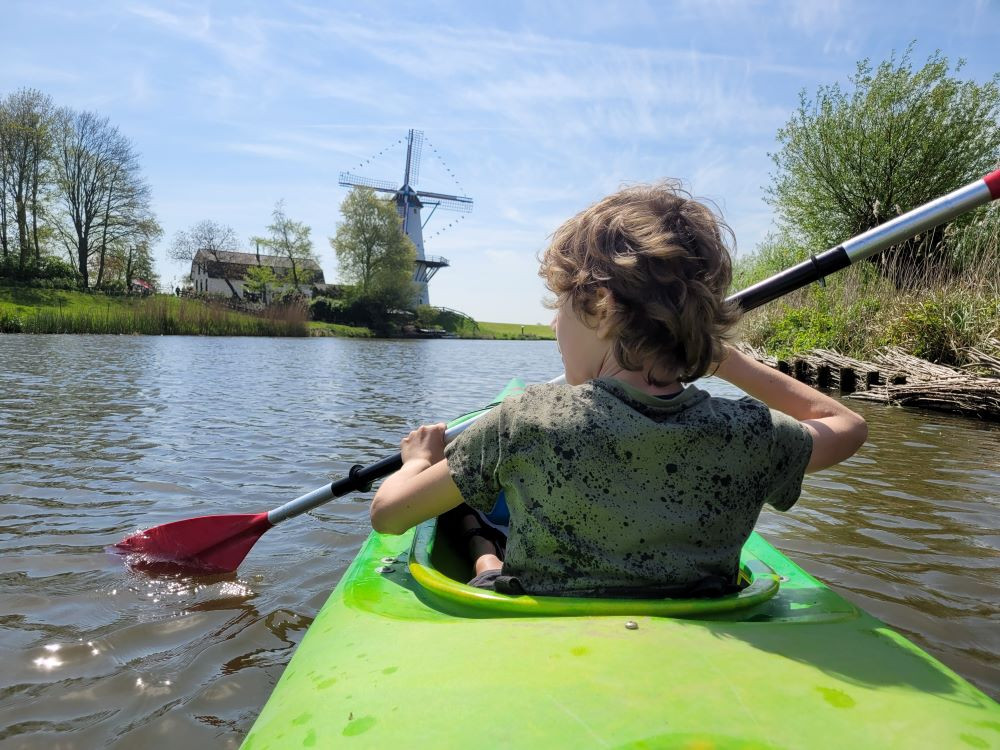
203	545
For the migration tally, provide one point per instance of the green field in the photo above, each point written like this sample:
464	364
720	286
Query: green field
515	331
30	310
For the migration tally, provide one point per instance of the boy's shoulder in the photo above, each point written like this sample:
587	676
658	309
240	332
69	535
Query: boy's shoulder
605	389
545	402
561	403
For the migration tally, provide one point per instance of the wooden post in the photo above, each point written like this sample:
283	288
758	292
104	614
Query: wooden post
802	373
848	380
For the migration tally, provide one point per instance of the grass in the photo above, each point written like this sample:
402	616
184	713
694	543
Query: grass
515	331
317	328
29	310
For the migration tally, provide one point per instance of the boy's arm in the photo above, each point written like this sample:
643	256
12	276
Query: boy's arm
837	432
421	489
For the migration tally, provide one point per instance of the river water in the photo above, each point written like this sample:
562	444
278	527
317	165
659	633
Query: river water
101	435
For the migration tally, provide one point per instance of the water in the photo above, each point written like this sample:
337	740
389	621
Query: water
100	436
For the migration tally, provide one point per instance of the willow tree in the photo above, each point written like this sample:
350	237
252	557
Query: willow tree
373	253
852	158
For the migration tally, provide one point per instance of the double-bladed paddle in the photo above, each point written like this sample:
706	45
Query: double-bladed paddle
218	544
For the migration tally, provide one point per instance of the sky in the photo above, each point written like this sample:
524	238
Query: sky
533	109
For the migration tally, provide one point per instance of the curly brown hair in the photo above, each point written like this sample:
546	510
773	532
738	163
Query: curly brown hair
652	265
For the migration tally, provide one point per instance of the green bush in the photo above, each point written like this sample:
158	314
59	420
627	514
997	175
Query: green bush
327	310
941	327
113	287
427	316
10	323
801	329
46	273
896	136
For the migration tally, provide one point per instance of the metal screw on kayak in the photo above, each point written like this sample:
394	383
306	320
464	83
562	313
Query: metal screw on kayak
389	560
631	625
384	569
783	579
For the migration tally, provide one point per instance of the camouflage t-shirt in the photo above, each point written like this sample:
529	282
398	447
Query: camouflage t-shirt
612	490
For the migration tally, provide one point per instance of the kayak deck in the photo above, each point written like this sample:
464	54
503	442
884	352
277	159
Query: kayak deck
388	661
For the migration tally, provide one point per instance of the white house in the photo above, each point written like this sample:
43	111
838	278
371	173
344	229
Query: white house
222	272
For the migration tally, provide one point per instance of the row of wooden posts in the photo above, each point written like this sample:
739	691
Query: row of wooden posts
895	377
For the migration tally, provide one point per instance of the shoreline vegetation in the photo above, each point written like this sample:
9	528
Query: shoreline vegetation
948	316
38	310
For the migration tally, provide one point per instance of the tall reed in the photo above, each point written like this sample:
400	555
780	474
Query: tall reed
937	314
160	315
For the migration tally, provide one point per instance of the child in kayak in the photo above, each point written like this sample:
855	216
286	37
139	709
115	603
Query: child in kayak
624	481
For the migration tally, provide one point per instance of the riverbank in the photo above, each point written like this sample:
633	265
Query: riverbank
894	377
31	310
484	331
949	320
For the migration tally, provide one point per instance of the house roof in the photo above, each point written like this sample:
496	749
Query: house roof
250	259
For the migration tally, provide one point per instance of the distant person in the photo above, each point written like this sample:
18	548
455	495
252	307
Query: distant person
624	481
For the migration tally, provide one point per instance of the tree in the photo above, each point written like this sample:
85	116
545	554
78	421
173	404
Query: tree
850	160
290	239
214	239
131	257
26	120
103	194
126	221
259	279
373	253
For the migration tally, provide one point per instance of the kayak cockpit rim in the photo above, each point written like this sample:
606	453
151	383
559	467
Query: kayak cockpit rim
763	585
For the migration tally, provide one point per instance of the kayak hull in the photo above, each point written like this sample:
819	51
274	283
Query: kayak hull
397	656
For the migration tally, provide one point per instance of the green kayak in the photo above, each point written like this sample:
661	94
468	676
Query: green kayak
405	655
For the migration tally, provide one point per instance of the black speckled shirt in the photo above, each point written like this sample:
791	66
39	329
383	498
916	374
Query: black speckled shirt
611	489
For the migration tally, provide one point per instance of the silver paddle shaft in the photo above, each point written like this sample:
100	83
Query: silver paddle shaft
920	219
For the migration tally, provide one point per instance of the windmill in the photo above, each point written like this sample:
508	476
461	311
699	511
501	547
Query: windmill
409	201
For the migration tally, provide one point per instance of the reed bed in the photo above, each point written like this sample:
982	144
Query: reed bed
160	315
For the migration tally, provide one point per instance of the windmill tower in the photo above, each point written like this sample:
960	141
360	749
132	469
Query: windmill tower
409	201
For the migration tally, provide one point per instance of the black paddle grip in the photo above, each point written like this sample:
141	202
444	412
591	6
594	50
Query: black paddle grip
796	277
360	478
